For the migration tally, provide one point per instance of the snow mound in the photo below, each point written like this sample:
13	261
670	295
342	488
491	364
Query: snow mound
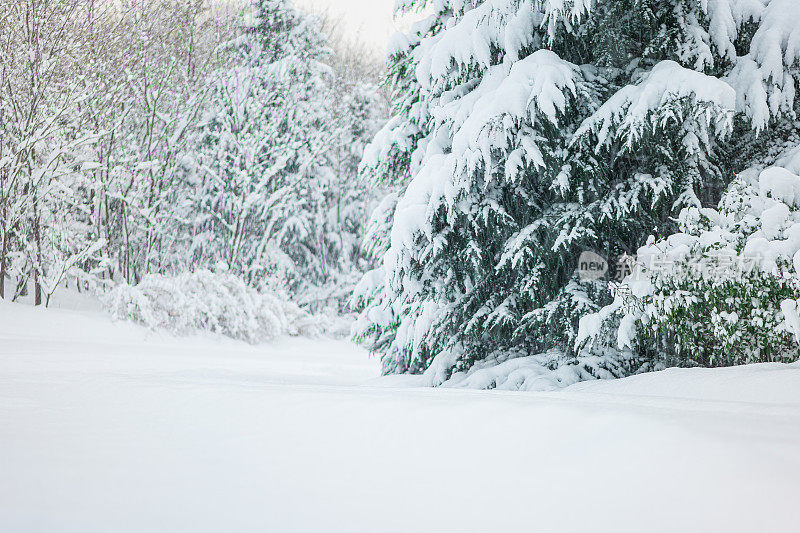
781	185
214	302
547	371
761	383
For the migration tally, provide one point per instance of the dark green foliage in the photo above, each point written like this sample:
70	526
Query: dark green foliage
718	321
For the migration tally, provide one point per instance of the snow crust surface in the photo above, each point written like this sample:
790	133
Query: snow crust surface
111	427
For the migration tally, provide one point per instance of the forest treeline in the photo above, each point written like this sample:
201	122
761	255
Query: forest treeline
152	137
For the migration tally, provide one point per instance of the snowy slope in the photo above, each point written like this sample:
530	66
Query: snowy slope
108	427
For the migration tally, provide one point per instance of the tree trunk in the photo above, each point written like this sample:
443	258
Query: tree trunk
37	235
3	253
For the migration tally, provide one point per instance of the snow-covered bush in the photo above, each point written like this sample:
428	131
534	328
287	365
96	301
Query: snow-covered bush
207	301
724	290
718	321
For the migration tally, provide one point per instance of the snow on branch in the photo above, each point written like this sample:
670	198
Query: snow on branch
655	101
509	26
765	79
538	84
726	18
206	301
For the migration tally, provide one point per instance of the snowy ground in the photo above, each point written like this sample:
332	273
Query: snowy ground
109	428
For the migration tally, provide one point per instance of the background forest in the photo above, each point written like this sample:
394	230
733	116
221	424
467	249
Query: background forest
140	140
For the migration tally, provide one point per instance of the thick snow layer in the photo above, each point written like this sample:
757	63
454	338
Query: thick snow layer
780	184
111	427
765	78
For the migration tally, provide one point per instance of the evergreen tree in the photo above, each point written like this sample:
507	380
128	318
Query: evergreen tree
527	131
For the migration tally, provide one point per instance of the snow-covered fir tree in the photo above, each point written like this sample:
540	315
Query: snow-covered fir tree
527	131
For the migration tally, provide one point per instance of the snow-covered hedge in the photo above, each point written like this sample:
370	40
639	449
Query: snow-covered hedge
725	290
207	301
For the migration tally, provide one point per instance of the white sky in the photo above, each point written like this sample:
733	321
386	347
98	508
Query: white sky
368	20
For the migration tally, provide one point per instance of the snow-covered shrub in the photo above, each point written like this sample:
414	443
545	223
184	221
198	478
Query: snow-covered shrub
724	290
718	321
208	301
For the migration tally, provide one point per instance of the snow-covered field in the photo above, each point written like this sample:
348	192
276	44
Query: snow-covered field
110	428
